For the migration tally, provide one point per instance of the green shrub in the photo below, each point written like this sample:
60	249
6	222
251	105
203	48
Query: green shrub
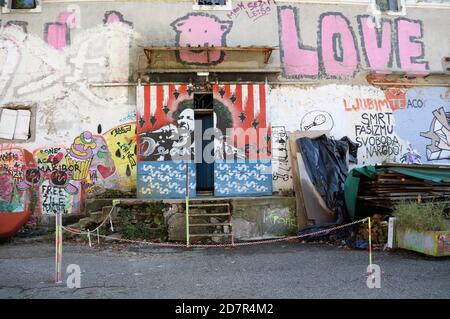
420	216
133	231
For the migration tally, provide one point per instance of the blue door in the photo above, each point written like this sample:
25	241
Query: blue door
205	171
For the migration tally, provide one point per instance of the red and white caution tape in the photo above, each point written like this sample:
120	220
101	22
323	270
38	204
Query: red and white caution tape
268	241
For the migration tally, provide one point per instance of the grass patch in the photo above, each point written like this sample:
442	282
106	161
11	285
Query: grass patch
420	216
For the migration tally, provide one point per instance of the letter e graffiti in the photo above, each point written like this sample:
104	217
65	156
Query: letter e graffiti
74	279
374	278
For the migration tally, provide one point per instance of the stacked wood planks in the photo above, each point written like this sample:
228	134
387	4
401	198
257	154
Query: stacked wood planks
389	188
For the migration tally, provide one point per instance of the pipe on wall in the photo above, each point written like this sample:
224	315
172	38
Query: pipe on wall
125	84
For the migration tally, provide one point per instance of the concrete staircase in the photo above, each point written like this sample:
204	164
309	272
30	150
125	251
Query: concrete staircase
96	210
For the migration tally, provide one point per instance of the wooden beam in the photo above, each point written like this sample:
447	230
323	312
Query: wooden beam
302	215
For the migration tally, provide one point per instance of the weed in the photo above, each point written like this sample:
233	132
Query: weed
133	231
420	216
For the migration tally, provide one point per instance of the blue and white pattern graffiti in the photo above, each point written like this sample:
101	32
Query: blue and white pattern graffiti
165	180
242	178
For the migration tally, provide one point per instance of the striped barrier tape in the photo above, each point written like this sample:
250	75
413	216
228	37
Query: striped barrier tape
268	241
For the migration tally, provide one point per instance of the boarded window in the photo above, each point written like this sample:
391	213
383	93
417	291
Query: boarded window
8	123
15	124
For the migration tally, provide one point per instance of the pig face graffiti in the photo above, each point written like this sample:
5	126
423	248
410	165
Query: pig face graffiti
200	30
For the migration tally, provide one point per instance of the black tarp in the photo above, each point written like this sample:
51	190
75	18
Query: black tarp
325	161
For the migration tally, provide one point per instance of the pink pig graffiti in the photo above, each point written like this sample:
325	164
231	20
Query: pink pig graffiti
200	30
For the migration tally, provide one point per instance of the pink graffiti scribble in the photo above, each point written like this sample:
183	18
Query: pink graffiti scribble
336	63
68	18
6	187
296	60
58	33
378	56
112	18
409	49
201	30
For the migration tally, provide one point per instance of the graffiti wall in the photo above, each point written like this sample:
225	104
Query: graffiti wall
94	131
343	47
397	125
57	174
79	130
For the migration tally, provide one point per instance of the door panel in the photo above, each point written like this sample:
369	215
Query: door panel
205	171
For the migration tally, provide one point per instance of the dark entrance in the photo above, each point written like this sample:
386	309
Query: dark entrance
203	106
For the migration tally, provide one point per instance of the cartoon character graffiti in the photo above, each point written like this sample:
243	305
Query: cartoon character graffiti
439	134
199	30
280	161
317	121
411	156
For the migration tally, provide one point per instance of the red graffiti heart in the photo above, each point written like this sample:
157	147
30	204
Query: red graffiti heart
105	171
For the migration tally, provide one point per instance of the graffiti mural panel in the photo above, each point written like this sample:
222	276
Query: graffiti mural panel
165	122
165	179
395	125
425	125
165	129
242	178
242	117
122	145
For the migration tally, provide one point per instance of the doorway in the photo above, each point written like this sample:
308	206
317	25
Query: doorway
203	108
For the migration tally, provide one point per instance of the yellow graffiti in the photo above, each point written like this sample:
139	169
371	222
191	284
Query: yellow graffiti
122	143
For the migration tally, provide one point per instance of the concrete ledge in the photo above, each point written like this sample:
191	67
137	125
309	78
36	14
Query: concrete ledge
253	218
264	217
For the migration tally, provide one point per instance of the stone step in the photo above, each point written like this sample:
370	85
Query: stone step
87	222
93	205
98	217
49	220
